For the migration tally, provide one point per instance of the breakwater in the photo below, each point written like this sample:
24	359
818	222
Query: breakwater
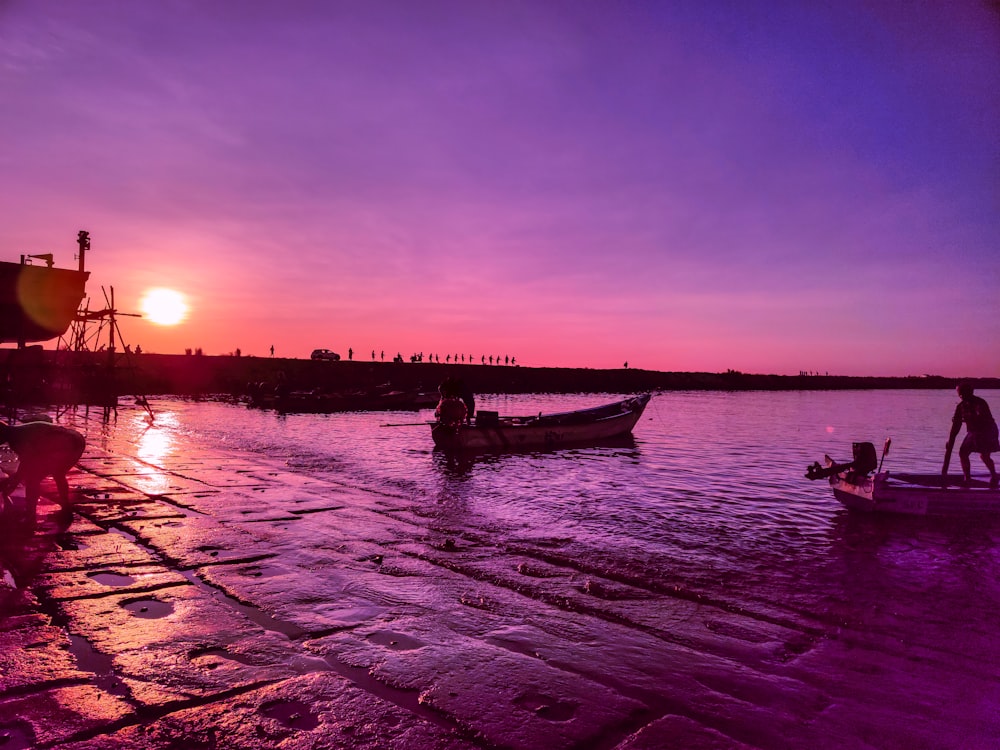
193	375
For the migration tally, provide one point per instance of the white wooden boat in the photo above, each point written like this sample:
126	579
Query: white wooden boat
492	432
859	485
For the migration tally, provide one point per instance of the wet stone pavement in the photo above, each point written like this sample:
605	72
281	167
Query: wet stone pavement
176	609
217	601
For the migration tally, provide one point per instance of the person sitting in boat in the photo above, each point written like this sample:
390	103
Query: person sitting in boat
451	410
43	450
981	436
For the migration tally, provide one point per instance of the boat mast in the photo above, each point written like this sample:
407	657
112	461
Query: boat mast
83	240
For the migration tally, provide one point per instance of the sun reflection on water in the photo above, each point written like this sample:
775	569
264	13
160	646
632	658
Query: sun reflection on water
155	445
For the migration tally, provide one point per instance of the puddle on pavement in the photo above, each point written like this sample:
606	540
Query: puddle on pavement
68	543
293	714
109	578
98	664
148	609
547	707
16	737
98	494
261	571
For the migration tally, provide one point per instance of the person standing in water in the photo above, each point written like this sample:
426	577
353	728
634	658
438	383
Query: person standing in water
981	432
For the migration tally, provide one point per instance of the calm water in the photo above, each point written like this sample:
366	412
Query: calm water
711	488
708	499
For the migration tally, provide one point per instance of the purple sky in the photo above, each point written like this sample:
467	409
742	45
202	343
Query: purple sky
764	186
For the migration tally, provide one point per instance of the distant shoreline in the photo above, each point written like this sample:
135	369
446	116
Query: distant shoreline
191	375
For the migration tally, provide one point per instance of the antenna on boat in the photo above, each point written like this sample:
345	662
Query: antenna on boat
47	257
885	451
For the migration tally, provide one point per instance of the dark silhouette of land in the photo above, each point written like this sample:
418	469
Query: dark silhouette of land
200	375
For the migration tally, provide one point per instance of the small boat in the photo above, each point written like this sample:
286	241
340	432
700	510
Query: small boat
861	485
491	432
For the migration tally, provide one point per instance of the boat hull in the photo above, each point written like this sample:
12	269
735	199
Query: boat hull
915	494
38	303
589	426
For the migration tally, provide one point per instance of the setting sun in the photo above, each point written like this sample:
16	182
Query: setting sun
164	306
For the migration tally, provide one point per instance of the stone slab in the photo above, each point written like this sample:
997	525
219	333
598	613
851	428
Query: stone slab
321	710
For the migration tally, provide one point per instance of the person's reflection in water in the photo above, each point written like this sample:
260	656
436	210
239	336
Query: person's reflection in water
453	464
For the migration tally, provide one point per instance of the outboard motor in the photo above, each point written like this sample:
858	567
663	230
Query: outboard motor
865	460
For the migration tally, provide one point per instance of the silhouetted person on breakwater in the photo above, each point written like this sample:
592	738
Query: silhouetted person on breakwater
981	432
43	450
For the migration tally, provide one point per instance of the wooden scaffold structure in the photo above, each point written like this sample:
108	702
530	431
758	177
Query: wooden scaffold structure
97	332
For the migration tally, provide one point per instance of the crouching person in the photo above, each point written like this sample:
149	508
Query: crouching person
43	450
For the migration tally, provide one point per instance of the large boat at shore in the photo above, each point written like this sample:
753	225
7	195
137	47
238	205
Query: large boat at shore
491	432
38	302
861	485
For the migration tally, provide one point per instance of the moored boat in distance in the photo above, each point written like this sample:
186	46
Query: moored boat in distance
320	402
491	432
860	485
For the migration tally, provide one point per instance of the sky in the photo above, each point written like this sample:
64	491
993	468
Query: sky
757	185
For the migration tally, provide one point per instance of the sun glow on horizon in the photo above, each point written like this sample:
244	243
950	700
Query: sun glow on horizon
164	307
